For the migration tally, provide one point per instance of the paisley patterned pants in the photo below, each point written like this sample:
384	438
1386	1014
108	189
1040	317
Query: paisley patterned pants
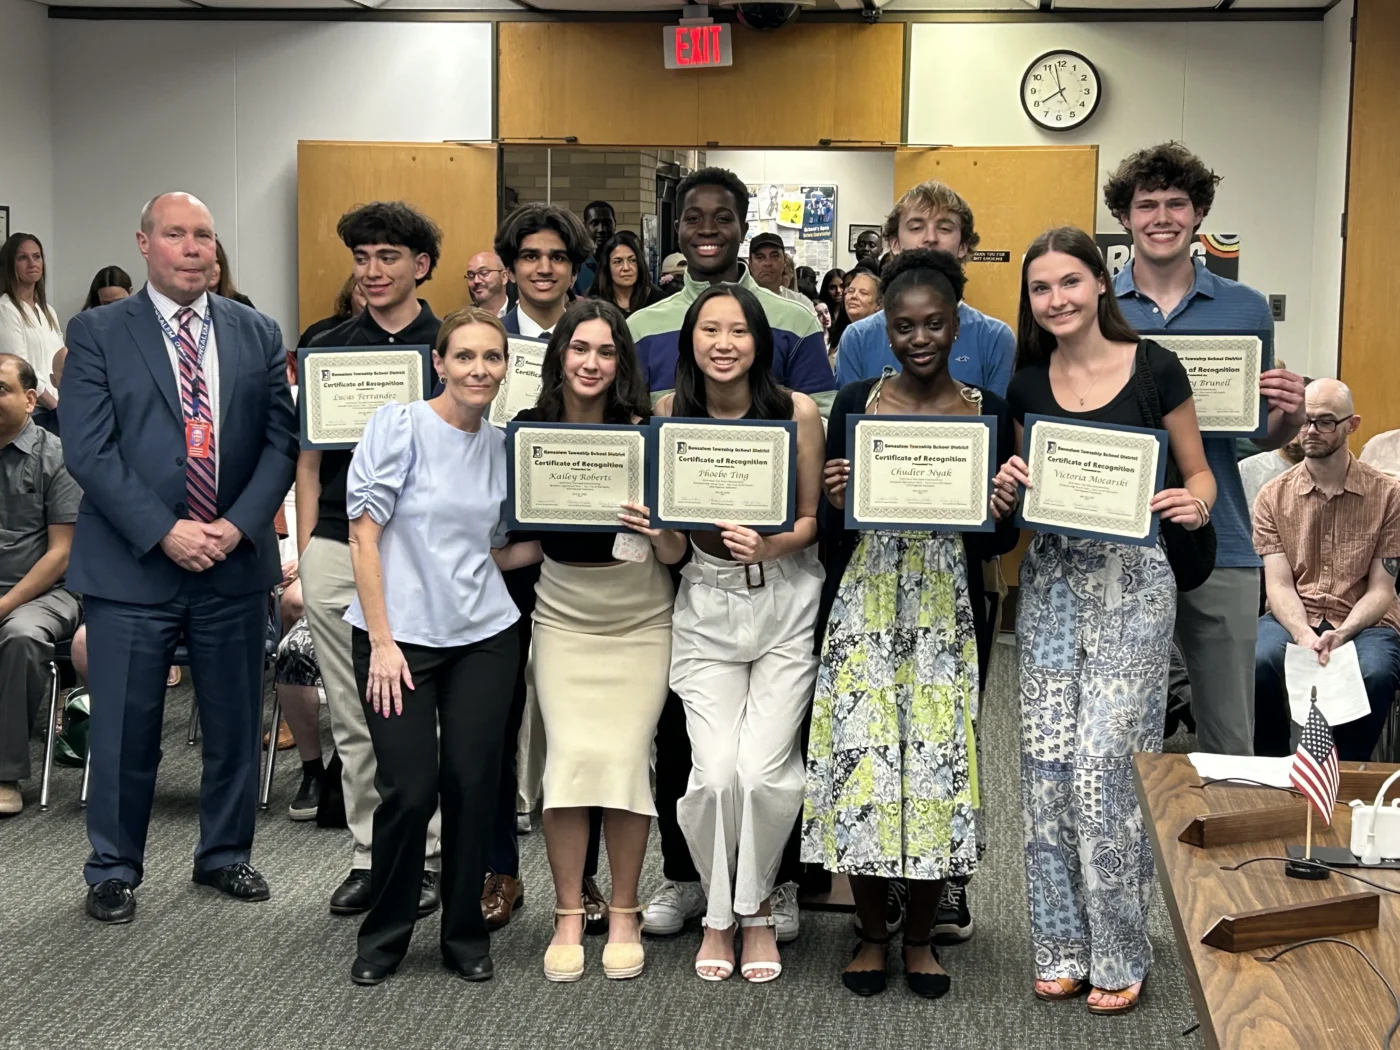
1094	630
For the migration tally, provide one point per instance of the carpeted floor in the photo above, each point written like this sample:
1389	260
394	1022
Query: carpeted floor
197	970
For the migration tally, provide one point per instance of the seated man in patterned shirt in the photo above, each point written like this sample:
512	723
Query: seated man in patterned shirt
1329	533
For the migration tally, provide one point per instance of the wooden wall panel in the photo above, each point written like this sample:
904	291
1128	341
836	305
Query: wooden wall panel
1016	193
1370	364
454	185
785	89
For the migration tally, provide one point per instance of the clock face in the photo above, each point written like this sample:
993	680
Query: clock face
1060	90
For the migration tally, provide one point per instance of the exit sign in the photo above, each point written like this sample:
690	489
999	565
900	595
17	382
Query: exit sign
697	46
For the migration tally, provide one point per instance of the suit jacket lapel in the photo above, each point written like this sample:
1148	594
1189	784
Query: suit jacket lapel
511	321
150	342
230	347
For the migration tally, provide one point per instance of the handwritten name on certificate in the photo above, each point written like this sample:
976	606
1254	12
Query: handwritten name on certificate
1224	371
734	470
574	476
341	388
521	387
1093	480
919	472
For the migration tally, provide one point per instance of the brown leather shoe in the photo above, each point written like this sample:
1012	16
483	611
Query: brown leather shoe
285	740
500	898
595	909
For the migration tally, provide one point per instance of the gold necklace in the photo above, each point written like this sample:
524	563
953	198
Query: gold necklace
1087	389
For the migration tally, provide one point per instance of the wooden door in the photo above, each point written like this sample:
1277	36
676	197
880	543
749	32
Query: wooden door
1369	363
454	185
1016	193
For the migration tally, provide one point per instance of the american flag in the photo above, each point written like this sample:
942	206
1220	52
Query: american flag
1314	770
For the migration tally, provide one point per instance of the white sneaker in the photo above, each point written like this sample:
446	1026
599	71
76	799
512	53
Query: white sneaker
784	907
675	904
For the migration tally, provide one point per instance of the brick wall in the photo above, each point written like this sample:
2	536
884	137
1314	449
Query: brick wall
624	178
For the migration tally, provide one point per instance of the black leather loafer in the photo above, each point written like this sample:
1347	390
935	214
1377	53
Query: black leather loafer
351	897
367	973
112	901
477	970
239	881
430	897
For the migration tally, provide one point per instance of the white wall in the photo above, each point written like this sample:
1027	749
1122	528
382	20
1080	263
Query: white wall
1244	95
864	181
26	157
1333	124
132	119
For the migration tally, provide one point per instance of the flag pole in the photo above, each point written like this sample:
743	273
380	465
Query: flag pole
1307	849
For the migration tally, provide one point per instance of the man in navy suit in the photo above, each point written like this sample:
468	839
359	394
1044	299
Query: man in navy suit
179	428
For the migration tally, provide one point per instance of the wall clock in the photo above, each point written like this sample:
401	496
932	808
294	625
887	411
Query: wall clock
1060	90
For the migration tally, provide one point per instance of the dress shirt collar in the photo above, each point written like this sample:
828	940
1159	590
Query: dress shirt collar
168	307
1351	483
26	439
529	329
1204	283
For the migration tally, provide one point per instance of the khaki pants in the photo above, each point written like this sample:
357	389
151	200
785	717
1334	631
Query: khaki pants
328	588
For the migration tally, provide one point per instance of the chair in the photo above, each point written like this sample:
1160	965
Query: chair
62	651
181	658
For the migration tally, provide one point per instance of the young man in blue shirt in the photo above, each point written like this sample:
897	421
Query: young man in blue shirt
1161	196
932	215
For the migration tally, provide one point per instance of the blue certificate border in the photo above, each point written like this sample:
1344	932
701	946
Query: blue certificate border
987	525
1266	362
305	353
654	471
1150	540
514	524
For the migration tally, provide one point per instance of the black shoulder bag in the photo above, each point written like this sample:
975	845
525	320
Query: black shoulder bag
1190	553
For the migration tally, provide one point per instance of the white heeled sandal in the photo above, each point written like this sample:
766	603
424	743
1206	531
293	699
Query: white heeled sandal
775	968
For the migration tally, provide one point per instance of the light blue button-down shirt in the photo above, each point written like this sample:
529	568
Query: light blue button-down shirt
1214	304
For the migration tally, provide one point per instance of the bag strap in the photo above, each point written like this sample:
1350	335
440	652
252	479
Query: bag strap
1148	401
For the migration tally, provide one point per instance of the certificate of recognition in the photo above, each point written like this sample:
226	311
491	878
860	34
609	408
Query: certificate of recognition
339	388
573	476
521	387
1224	369
710	470
1094	480
920	472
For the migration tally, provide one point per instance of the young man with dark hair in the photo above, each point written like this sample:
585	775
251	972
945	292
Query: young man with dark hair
712	203
932	215
543	246
1161	196
867	246
36	610
600	220
395	249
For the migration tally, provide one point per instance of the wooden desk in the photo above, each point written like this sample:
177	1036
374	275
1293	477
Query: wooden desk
1316	998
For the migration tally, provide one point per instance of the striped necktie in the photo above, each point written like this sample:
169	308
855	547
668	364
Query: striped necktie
200	489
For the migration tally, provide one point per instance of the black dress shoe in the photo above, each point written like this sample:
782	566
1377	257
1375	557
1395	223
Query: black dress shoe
477	970
351	897
239	881
112	901
866	983
430	897
927	985
364	972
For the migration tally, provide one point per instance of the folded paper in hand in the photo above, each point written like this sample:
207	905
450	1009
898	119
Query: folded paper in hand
1341	693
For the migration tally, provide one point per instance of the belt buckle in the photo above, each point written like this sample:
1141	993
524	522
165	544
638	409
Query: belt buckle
748	576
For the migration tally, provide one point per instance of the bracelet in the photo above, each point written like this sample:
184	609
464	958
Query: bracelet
1205	511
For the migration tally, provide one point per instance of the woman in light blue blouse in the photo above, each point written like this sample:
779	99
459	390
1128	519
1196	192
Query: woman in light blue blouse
434	644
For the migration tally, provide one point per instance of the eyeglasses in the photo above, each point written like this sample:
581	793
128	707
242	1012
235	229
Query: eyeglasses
472	275
1324	426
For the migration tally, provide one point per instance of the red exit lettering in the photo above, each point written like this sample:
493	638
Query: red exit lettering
698	45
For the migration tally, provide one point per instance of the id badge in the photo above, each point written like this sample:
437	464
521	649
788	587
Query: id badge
197	435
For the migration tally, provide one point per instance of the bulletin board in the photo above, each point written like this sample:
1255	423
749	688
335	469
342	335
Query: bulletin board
803	215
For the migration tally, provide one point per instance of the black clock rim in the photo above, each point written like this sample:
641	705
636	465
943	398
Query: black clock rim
1098	95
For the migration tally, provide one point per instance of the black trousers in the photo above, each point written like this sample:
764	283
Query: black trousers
672	776
447	744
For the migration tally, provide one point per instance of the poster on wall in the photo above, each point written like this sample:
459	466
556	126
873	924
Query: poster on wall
803	216
651	246
1220	252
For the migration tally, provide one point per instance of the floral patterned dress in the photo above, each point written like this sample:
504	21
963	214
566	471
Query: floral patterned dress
891	767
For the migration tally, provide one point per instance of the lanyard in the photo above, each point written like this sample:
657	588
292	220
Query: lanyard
206	324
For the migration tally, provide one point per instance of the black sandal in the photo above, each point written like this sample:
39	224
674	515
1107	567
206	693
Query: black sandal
926	985
866	983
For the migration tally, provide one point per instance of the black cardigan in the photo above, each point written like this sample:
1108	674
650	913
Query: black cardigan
839	543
